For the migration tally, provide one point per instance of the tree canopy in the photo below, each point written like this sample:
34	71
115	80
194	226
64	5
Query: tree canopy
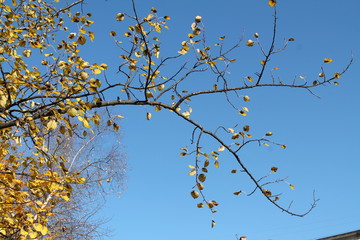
51	95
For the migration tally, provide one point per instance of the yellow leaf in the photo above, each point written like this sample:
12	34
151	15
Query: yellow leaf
191	166
80	180
182	154
184	149
186	114
206	163
336	75
212	223
292	187
35	44
274	169
7	8
161	87
242	113
266	192
249	78
127	34
250	43
65	197
212	64
202	177
194	194
148	116
40	228
327	60
246	128
231	130
91	36
233	171
22	232
272	3
200	205
149	94
245	108
72	112
262	62
27	52
115	127
33	235
291	39
81	39
196	31
216	164
221	148
235	136
86	123
72	35
84	75
214	203
96	71
192	172
51	125
120	17
268	134
283	146
246	98
237	193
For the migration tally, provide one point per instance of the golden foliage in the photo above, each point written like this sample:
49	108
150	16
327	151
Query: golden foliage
48	89
272	3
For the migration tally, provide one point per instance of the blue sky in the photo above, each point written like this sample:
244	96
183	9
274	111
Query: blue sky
322	135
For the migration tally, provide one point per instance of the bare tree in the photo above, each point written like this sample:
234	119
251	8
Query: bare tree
104	169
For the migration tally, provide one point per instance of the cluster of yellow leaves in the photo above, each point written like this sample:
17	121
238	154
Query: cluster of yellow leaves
27	197
145	52
39	97
200	173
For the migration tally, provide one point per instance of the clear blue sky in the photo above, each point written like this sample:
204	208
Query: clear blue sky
322	135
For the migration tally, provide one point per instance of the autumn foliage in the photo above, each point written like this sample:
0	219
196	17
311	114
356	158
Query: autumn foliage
43	82
49	93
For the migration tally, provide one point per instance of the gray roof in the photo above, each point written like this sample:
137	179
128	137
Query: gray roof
354	235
